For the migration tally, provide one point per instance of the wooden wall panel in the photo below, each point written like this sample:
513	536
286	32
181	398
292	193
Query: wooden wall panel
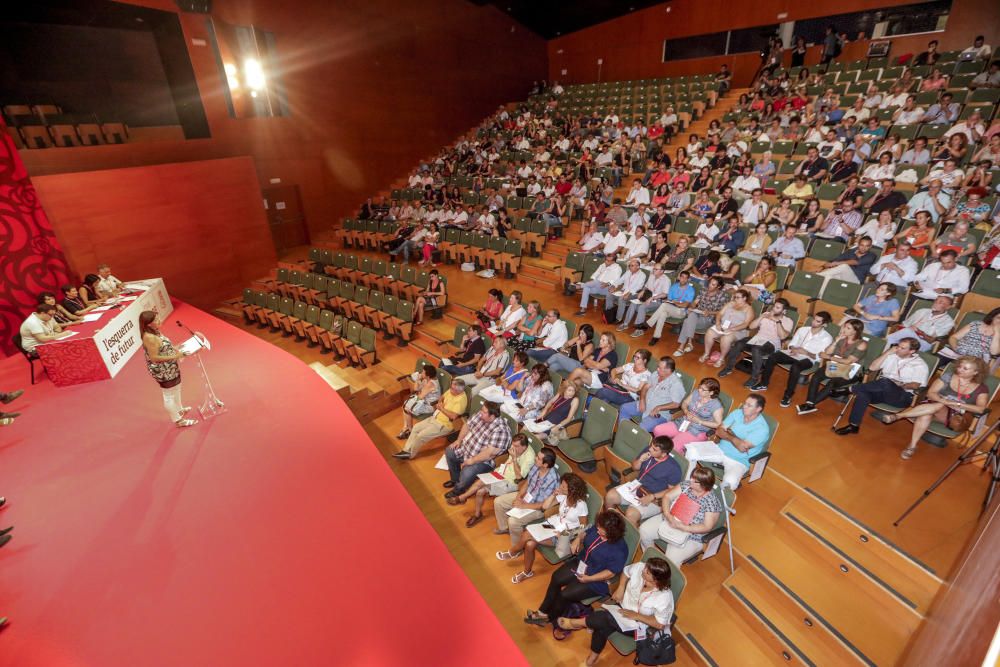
374	86
199	225
632	46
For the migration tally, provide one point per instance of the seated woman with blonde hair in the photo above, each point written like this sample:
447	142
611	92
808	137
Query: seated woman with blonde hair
954	399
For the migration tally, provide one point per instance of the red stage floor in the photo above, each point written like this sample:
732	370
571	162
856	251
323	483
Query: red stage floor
272	535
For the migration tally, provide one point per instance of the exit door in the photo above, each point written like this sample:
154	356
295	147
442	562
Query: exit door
285	218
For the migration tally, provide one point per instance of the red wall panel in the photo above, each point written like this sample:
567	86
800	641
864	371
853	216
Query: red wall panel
199	225
632	46
374	86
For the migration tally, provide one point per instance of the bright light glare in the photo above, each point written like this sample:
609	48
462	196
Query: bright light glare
254	74
232	76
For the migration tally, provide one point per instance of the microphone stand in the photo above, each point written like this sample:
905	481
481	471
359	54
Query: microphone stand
211	406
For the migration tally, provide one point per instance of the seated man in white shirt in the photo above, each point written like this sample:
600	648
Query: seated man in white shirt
552	336
979	49
802	352
601	281
638	219
108	286
831	147
972	127
614	240
902	373
637	195
754	210
629	286
745	183
657	286
40	327
636	247
943	277
927	324
898	268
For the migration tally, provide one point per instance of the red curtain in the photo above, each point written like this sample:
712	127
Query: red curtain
31	260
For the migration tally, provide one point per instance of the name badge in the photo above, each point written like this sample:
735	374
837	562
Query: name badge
581	569
684	425
640	632
528	498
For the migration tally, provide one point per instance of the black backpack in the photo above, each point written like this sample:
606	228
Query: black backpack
656	649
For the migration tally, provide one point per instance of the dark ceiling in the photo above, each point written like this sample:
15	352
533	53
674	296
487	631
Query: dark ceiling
554	18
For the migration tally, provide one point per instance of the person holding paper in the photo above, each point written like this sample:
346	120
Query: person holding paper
732	323
88	291
72	303
485	436
646	602
40	327
803	351
628	381
656	473
742	436
662	394
557	413
501	481
559	530
63	317
489	367
688	512
425	392
472	349
448	408
600	555
161	361
848	349
535	394
515	510
702	412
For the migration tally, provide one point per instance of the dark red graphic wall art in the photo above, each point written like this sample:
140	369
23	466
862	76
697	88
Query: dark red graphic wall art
31	260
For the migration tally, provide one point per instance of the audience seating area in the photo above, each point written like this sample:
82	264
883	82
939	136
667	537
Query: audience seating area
341	292
48	126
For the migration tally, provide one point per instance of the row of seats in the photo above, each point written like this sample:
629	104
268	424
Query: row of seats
45	126
339	334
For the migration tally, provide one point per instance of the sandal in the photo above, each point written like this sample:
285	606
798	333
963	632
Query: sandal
506	555
456	500
474	519
533	617
181	423
889	419
521	576
908	453
718	362
403	435
703	358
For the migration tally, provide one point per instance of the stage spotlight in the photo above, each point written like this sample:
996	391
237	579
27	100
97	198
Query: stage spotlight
232	76
253	72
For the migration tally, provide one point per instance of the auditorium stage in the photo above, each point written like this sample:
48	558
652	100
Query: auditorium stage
274	534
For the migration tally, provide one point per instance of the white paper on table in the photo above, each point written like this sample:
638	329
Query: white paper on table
101	309
539	532
91	317
537	427
626	624
442	463
64	336
518	512
627	492
128	299
138	287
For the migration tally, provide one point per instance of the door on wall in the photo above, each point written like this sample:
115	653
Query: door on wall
284	215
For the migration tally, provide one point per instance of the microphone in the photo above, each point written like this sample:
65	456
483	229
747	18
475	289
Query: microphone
185	327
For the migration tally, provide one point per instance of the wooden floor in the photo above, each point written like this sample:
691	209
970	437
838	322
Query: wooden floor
813	538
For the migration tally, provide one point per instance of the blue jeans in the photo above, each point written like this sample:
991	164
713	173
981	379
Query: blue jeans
629	410
464	477
592	288
541	354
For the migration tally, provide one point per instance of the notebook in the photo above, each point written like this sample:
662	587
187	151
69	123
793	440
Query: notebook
684	509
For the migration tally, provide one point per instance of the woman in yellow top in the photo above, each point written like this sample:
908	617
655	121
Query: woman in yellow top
799	190
762	283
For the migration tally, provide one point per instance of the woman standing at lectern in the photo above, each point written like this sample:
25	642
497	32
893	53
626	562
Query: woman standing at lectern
161	360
